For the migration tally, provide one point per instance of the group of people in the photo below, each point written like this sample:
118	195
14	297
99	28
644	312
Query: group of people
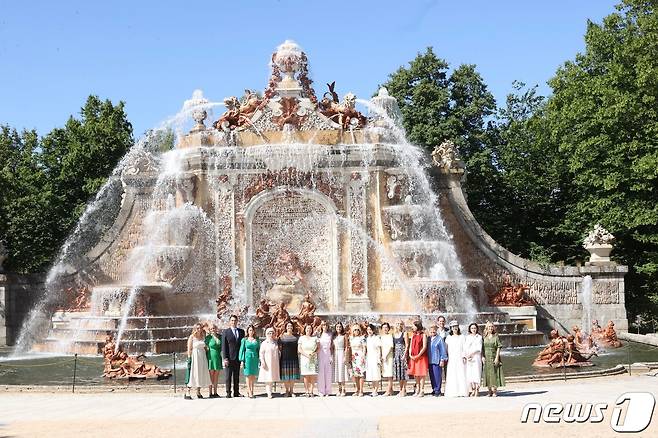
323	356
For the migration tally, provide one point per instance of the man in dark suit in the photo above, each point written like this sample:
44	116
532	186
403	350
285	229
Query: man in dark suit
231	338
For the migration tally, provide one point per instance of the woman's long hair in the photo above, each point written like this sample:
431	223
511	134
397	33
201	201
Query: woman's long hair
342	329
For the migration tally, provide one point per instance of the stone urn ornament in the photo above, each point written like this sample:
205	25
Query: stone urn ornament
599	244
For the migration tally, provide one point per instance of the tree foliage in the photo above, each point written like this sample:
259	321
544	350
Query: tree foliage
439	105
603	117
543	171
47	181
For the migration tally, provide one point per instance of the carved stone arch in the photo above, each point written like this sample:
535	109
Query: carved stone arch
285	218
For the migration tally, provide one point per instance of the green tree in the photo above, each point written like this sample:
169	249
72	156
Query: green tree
548	169
535	183
603	117
80	156
49	180
26	199
437	105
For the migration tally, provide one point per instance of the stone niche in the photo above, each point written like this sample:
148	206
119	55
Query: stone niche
291	247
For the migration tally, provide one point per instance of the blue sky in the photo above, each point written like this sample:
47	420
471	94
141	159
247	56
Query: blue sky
152	55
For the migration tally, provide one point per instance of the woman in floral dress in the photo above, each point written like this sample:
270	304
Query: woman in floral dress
358	348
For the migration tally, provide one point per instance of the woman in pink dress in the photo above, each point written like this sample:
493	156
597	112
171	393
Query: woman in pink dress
325	360
269	361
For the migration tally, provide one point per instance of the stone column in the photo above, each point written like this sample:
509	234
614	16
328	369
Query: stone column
3	309
225	230
607	294
357	298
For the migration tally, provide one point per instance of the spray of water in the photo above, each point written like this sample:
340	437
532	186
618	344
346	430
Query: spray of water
419	257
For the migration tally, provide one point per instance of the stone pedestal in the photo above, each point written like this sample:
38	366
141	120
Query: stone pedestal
599	254
357	304
521	314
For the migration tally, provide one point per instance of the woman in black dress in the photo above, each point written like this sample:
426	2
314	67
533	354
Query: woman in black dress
400	350
289	359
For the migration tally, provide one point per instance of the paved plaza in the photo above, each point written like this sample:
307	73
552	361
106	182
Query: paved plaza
160	414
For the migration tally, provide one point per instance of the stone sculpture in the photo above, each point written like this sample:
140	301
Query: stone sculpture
224	298
512	295
606	337
77	299
117	364
599	244
238	113
562	352
224	301
583	341
345	113
264	318
307	315
290	283
446	156
281	317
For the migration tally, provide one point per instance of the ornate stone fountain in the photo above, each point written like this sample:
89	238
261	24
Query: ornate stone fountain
288	199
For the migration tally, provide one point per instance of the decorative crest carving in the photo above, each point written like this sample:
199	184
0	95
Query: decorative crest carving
598	236
142	162
446	156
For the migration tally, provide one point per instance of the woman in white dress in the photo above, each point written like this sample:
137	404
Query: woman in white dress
196	351
456	369
473	353
307	348
387	356
373	359
269	361
340	367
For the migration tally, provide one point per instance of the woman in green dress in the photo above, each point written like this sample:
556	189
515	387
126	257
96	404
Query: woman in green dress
493	368
214	344
248	357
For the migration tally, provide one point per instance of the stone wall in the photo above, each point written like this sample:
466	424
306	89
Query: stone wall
18	293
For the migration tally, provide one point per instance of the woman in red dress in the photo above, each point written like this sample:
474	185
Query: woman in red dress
418	363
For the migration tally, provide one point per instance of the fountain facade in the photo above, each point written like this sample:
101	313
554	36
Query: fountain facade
286	200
